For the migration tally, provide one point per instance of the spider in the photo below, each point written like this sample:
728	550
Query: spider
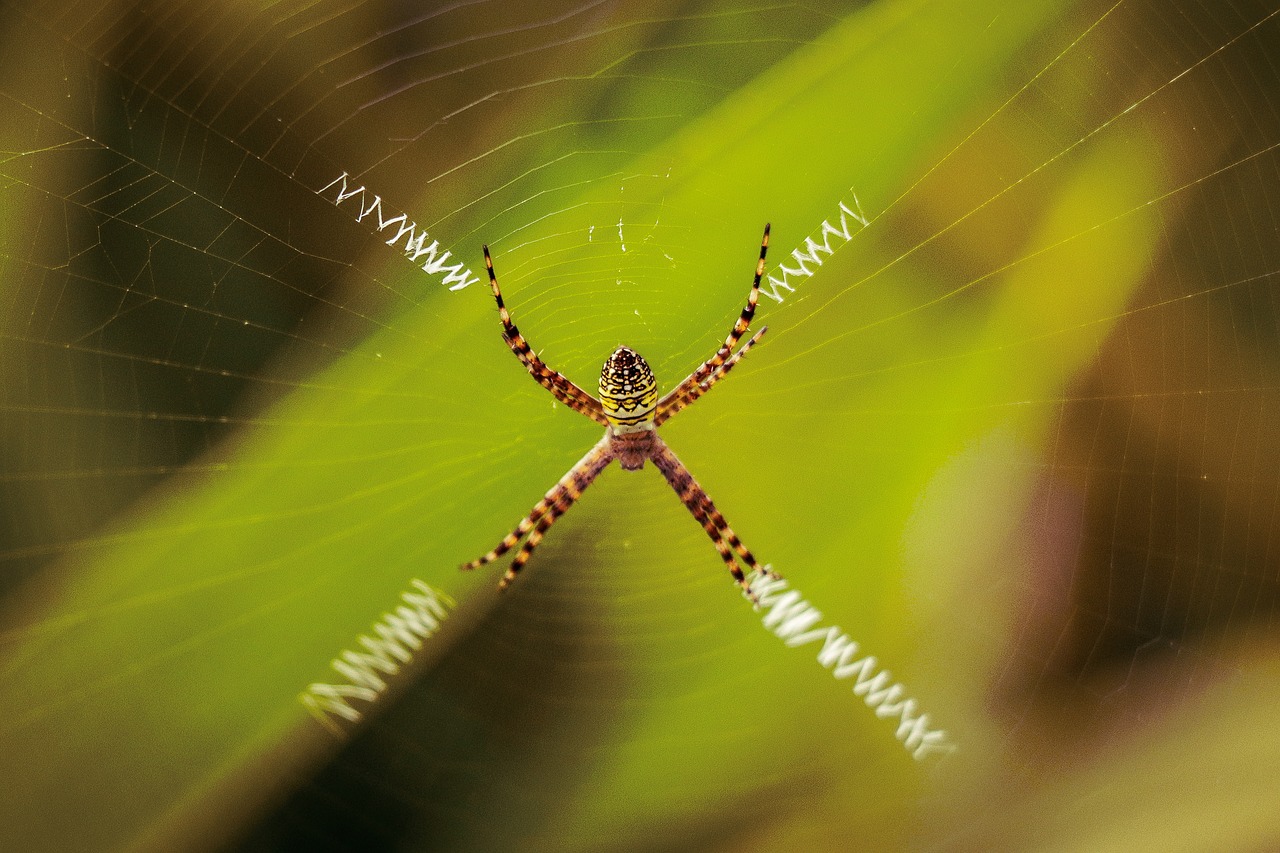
630	411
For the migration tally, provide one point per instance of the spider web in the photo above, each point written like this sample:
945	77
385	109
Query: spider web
1015	433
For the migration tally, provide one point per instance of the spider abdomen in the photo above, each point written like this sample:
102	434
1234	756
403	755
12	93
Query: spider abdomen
628	392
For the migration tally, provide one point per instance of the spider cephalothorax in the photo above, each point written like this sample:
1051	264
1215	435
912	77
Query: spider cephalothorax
631	412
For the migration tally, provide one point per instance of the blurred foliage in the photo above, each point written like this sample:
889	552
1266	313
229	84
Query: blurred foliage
237	424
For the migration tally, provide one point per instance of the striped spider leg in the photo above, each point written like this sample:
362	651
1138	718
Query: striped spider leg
555	382
714	369
630	410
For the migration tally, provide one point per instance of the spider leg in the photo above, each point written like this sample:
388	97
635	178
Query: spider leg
732	538
693	392
526	524
526	550
704	510
544	513
671	403
560	386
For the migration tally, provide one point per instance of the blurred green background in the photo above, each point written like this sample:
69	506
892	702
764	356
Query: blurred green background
1015	437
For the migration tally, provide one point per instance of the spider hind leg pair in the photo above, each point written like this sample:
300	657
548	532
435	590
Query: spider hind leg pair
629	409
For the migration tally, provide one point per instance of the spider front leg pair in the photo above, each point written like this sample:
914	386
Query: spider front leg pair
630	411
